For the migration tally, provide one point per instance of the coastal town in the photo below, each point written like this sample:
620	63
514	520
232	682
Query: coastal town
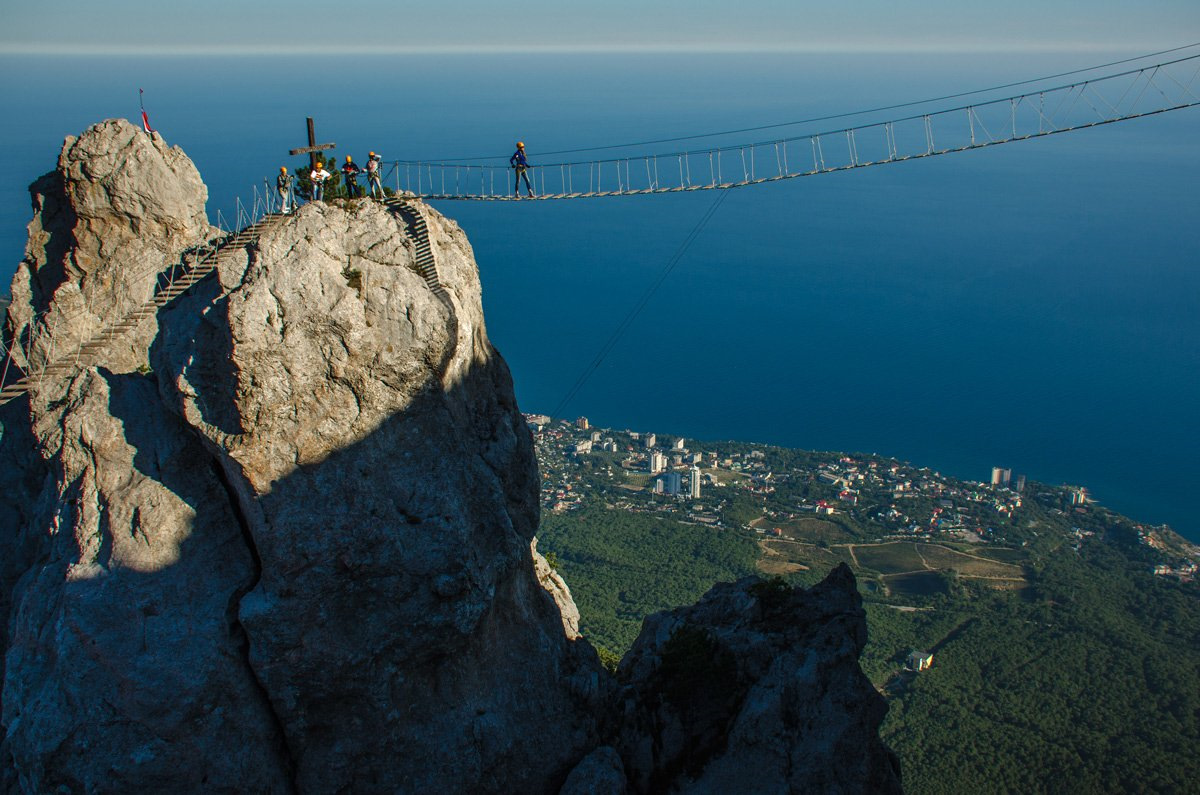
779	494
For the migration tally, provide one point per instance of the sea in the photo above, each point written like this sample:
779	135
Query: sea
1034	306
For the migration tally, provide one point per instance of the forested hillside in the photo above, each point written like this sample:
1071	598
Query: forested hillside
1062	662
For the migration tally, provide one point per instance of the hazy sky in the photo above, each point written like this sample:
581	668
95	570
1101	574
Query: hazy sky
262	26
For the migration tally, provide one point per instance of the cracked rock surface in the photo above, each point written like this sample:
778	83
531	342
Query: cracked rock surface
281	539
120	207
294	553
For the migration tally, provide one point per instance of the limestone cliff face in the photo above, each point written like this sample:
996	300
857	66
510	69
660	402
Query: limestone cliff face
295	556
387	485
283	539
120	208
557	587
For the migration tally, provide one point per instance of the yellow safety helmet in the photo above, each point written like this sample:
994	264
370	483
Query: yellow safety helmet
320	163
347	158
283	169
370	154
520	144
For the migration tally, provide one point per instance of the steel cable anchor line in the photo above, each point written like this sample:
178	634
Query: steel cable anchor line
1135	93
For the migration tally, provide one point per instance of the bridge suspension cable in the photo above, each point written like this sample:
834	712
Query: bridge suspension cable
35	351
835	116
1145	91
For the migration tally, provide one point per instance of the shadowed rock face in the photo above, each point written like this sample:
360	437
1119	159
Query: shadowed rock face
388	487
296	553
755	689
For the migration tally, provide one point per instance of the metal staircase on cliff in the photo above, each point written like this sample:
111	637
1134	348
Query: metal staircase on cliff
183	277
172	283
418	232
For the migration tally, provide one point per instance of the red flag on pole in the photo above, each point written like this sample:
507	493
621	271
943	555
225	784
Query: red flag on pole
145	119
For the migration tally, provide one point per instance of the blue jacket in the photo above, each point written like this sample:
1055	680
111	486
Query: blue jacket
518	159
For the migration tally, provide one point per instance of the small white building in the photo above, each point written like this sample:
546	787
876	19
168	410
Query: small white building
918	660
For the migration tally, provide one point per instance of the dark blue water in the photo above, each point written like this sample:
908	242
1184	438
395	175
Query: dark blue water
1033	306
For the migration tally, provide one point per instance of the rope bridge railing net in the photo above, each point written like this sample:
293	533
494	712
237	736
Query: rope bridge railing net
33	349
1146	91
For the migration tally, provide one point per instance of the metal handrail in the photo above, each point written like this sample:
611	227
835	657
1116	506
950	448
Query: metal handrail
25	342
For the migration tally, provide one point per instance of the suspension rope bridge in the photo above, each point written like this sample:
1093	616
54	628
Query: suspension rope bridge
1132	94
34	352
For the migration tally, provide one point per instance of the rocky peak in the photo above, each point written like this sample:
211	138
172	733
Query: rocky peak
755	689
295	555
119	209
281	537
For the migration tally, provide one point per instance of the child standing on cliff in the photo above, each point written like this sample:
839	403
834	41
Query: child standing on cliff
284	185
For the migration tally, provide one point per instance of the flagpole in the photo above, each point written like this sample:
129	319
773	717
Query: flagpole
145	118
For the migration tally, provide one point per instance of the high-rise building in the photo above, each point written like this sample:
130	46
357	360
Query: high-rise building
695	483
657	462
581	423
680	444
673	483
1020	485
659	485
650	440
1001	476
1079	496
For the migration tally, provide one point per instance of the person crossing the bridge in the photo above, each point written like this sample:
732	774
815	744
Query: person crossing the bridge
318	176
283	183
350	171
374	183
520	166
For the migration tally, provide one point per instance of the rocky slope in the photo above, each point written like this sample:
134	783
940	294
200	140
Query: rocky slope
282	540
755	689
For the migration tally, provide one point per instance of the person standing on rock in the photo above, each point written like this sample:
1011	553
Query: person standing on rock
287	201
318	177
521	165
374	183
350	172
